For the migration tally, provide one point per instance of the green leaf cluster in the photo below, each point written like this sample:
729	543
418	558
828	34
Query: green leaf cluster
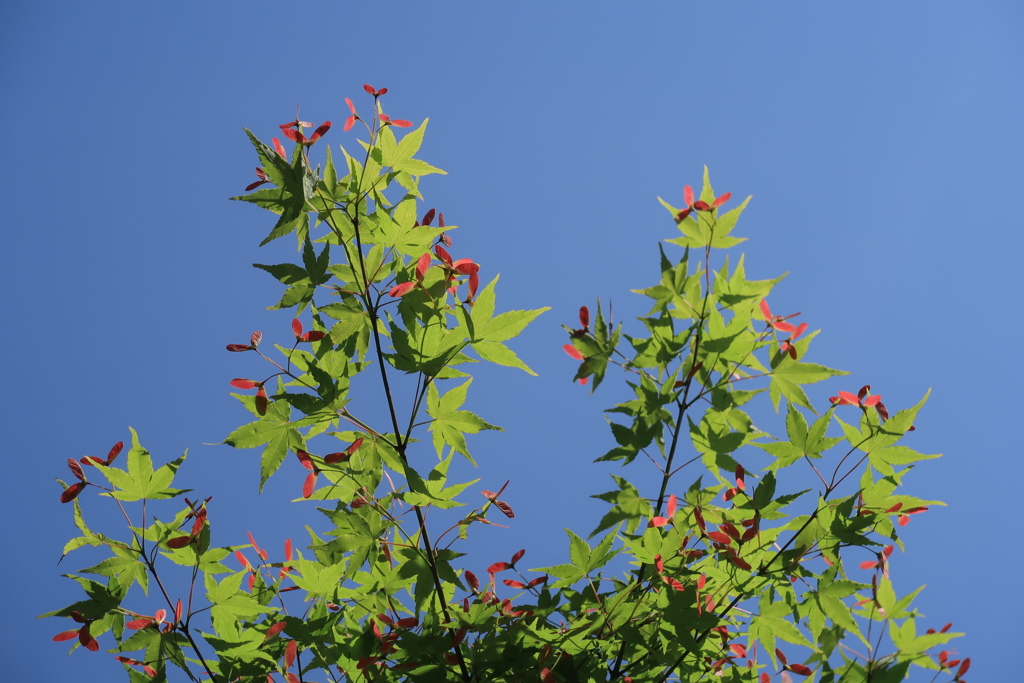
722	569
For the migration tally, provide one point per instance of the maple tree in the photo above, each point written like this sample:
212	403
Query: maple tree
718	572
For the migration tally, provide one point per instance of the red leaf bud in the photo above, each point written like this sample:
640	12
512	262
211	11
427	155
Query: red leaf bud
719	537
114	451
699	517
293	135
76	469
274	630
87	641
721	200
335	458
71	492
730	530
422	265
304	458
505	508
290	650
674	583
443	254
319	132
573	351
964	666
309	485
498	567
401	290
739	562
848	399
261	401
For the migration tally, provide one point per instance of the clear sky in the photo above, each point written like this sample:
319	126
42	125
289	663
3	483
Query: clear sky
882	143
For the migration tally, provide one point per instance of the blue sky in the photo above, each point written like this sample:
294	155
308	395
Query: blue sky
881	143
